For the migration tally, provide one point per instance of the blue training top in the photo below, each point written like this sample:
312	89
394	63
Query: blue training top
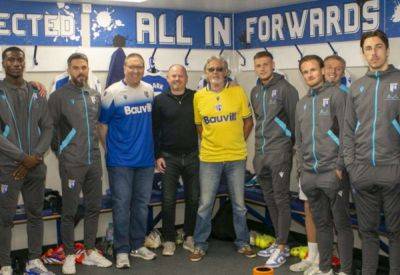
127	112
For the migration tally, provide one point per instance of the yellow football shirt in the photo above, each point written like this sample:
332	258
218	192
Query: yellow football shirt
221	116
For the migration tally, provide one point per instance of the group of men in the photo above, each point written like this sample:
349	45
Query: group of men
344	139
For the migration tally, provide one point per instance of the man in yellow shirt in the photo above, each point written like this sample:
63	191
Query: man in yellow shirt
224	121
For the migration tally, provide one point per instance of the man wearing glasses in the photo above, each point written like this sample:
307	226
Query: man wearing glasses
126	132
223	119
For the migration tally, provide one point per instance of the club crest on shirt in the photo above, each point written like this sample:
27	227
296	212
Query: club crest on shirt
93	99
325	106
218	107
393	92
34	96
4	188
146	93
274	95
71	184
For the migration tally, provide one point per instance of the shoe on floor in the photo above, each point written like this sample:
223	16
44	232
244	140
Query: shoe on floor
197	255
313	269
169	248
277	259
69	265
247	251
6	270
36	266
301	266
143	253
188	244
267	252
330	272
122	261
96	259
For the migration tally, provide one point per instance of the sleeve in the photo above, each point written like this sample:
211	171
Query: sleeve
10	149
297	146
54	110
46	130
349	125
245	108
197	116
290	101
339	108
156	113
107	107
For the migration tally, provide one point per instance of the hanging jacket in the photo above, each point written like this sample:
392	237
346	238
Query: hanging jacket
371	130
25	131
319	118
116	68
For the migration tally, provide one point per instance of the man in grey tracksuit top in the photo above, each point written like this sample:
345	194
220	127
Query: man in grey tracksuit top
274	103
319	120
75	109
372	151
25	135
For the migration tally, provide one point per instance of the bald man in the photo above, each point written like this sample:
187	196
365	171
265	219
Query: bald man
176	153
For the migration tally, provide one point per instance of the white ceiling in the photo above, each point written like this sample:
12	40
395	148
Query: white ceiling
196	5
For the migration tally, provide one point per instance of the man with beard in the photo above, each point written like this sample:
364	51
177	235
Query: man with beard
75	109
176	152
25	136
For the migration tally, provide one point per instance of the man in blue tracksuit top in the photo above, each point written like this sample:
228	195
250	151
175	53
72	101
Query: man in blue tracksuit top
372	150
126	130
319	123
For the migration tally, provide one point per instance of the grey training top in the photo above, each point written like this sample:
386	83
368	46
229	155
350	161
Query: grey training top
274	106
371	129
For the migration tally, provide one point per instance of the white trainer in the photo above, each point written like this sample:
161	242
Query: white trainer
188	244
122	261
69	265
143	253
301	266
6	270
96	259
36	266
169	248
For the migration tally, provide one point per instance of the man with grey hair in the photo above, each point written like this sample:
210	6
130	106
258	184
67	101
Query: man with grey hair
223	118
176	153
75	109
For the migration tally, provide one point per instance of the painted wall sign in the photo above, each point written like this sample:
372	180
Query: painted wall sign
162	28
315	22
33	23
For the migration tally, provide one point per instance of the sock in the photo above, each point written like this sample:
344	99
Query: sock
312	252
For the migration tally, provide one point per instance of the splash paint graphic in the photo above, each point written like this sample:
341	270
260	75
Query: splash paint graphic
396	15
104	23
65	11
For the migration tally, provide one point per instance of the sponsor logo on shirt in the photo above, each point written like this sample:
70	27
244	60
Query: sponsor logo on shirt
221	118
137	109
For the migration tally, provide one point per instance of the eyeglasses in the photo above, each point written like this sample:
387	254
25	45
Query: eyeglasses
212	69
